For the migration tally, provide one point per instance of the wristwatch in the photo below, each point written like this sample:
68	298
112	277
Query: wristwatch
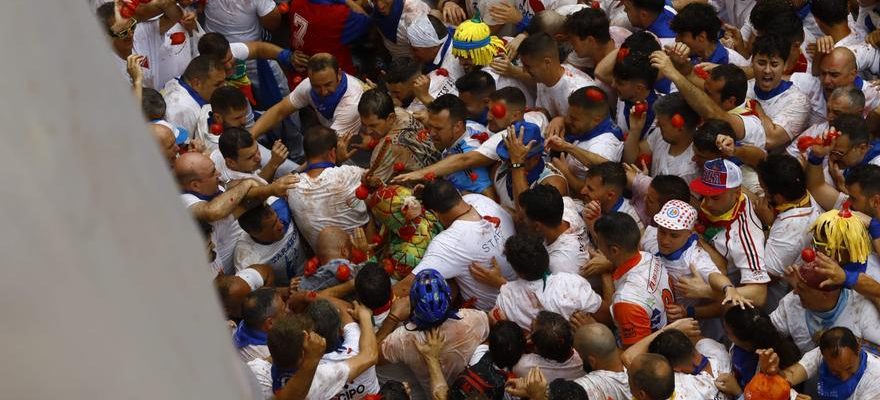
516	165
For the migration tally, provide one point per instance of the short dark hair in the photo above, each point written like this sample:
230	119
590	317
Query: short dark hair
512	95
854	127
214	44
552	336
655	376
635	67
318	140
402	70
451	103
232	140
543	204
393	390
674	103
868	178
674	345
326	321
507	343
588	22
771	45
671	187
527	256
830	12
735	82
152	104
642	42
838	338
765	11
200	67
539	45
783	175
106	14
440	196
285	339
613	174
251	221
373	286
707	133
375	102
579	98
754	327
561	389
257	307
228	98
619	229
653	6
321	63
695	18
478	82
788	25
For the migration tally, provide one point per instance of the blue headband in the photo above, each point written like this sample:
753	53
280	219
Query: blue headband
458	44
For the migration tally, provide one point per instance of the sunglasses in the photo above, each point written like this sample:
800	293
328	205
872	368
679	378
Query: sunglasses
127	32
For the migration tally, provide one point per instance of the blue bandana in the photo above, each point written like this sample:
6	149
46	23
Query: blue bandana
833	388
245	336
388	24
675	255
192	92
869	23
660	27
450	32
745	364
322	164
872	153
762	95
606	126
327	105
280	377
720	56
649	116
701	366
820	321
855	267
204	197
804	11
483	118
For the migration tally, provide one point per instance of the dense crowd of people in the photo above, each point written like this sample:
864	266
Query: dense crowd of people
500	199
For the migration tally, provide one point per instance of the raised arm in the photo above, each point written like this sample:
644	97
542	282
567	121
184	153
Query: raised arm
297	388
446	166
689	326
171	15
272	117
369	349
224	204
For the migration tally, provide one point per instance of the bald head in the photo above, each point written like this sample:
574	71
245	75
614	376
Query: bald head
333	243
166	140
192	171
837	69
321	61
651	377
595	341
842	57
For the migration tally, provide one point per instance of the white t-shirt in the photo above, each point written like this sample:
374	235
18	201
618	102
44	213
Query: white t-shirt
719	357
166	60
734	12
606	385
649	240
663	163
438	86
696	387
561	293
868	386
452	251
626	207
365	383
345	118
328	200
489	148
695	256
226	233
286	256
237	20
605	145
568	253
789	109
742	243
568	370
554	98
754	131
329	379
859	315
640	292
788	236
181	108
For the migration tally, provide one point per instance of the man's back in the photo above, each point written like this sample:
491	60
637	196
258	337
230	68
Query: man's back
328	200
452	251
461	337
237	20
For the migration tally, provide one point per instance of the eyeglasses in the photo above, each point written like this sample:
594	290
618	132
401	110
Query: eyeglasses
127	32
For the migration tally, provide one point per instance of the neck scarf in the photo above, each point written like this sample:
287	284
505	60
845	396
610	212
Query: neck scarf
660	27
802	203
675	255
804	11
649	116
318	165
327	105
699	367
833	388
483	118
205	197
715	224
388	24
606	126
762	95
192	92
745	364
821	321
245	336
442	54
280	376
720	56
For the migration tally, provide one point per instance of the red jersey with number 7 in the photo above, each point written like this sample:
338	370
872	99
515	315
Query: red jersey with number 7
326	26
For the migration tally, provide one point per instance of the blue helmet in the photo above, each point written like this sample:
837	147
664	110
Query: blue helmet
431	300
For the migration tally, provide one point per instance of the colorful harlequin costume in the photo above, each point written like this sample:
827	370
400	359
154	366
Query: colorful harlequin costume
406	228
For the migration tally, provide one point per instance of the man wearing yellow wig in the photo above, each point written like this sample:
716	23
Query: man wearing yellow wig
475	48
